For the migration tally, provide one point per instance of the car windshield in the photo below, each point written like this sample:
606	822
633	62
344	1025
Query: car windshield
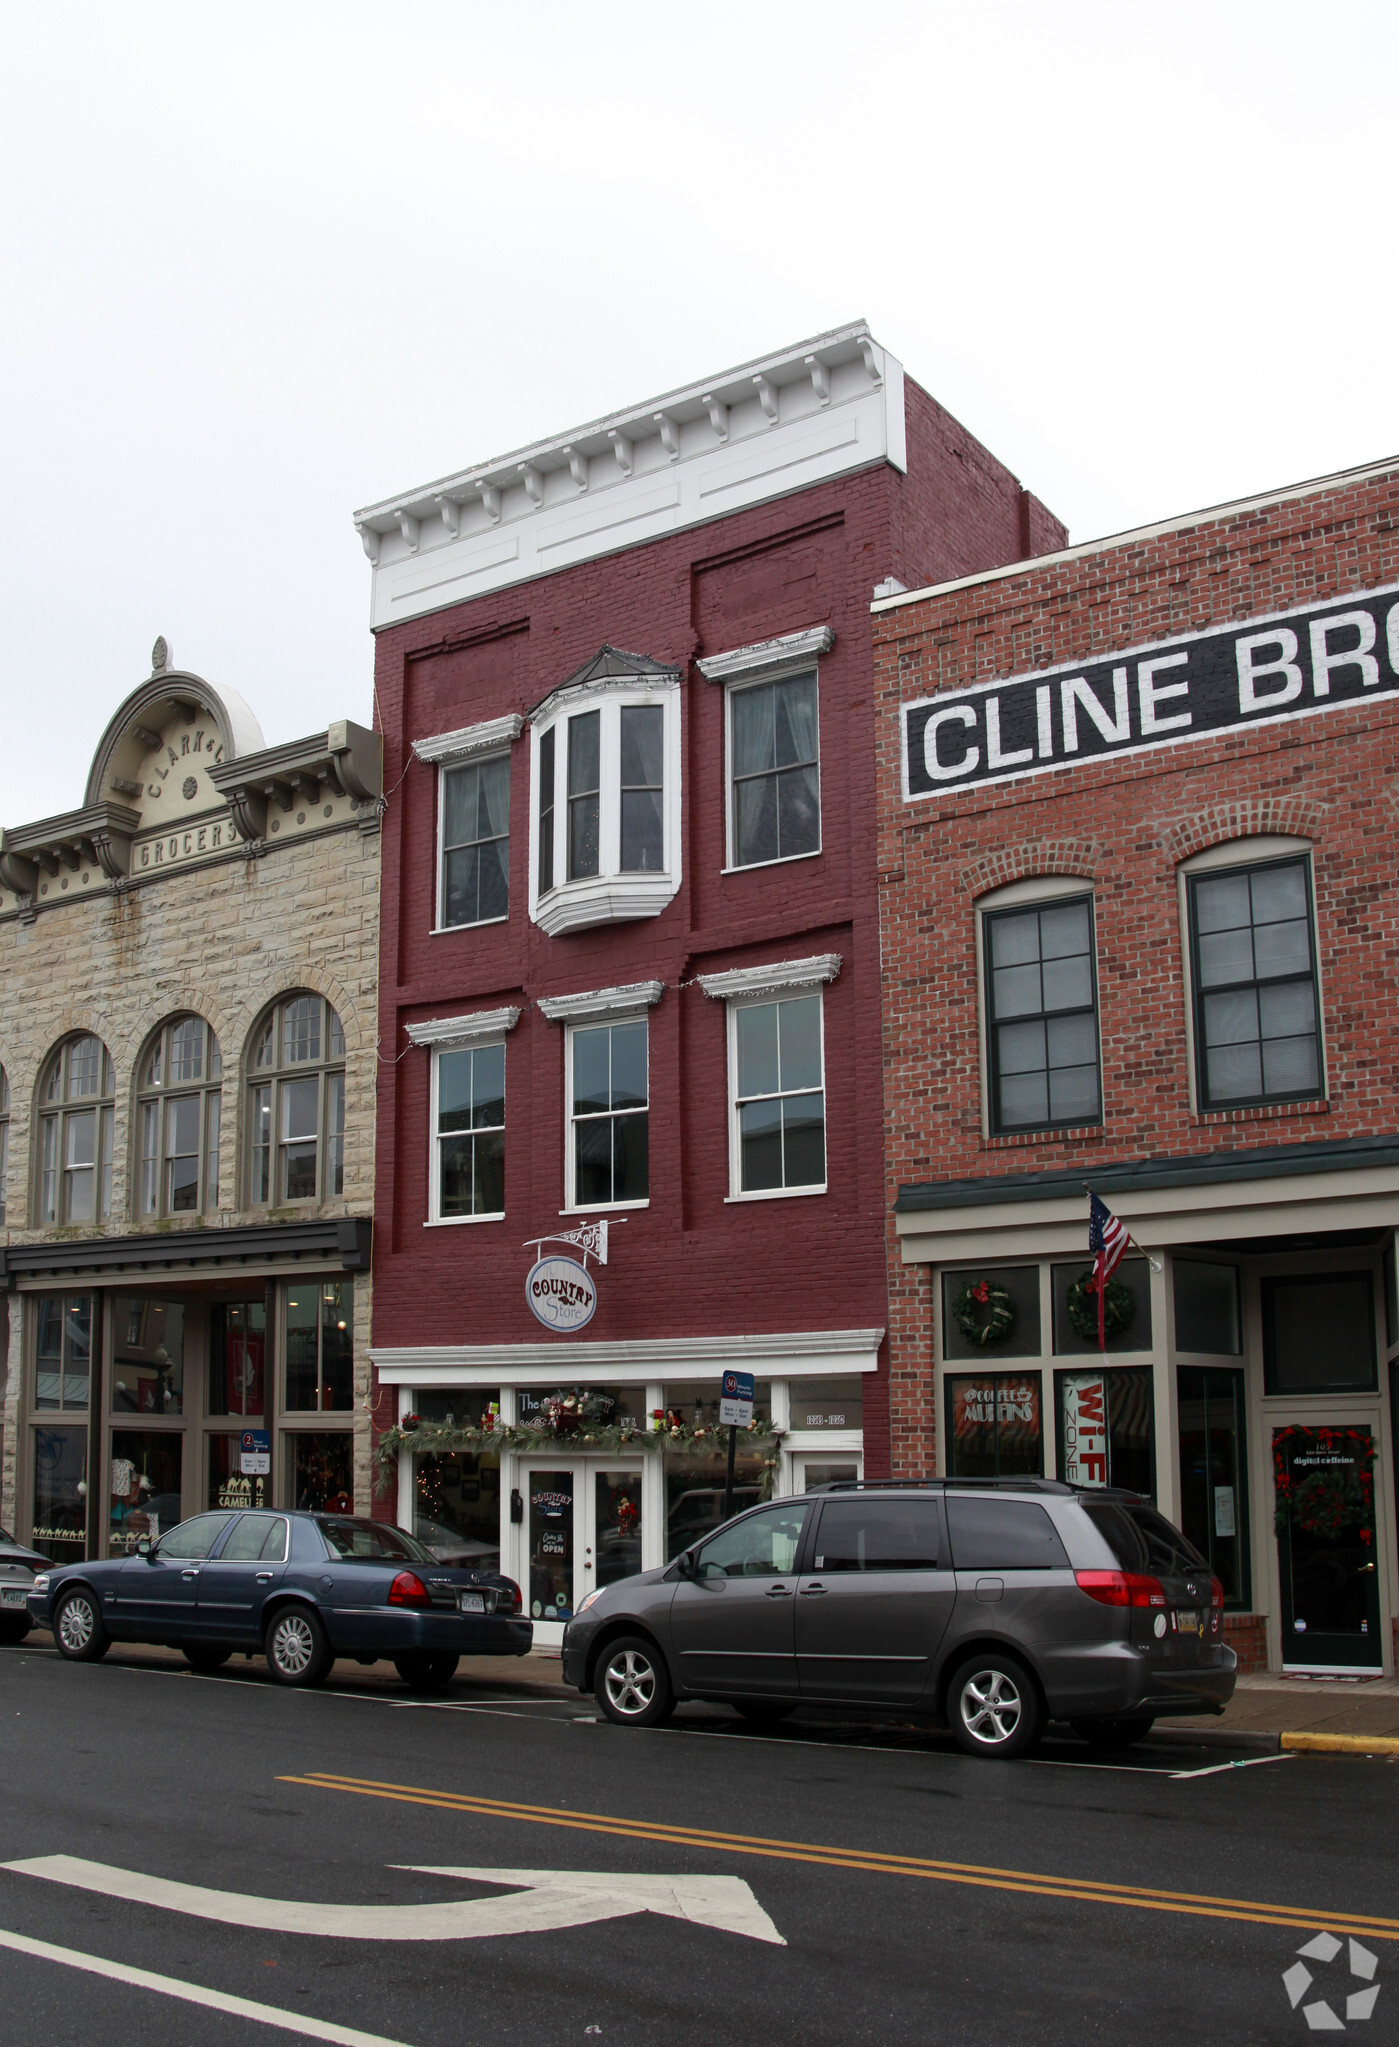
373	1540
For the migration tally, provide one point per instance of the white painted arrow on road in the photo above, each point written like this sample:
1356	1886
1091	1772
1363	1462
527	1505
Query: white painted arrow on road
540	1901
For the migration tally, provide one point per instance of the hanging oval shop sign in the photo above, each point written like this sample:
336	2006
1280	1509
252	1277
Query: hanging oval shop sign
561	1293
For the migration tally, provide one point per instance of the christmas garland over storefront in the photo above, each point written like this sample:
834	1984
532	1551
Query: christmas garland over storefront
1323	1501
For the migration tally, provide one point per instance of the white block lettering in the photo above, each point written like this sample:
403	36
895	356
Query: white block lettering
1044	720
1074	690
1150	693
1284	640
940	771
1391	633
1323	660
994	756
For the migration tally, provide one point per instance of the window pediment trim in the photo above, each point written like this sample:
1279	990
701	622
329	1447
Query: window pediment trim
447	748
446	1033
775	979
602	1002
767	657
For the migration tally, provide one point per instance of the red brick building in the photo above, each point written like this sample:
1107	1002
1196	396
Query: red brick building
630	950
1139	928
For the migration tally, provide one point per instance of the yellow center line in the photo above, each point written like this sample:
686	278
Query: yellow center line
1085	1890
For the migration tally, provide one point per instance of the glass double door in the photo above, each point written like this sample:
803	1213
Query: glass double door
582	1530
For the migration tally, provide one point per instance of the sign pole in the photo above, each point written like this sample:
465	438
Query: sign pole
735	1413
729	1475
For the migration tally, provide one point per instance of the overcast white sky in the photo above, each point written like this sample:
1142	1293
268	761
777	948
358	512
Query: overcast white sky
260	264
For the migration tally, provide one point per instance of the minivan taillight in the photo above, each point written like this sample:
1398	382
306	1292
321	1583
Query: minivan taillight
1121	1588
408	1589
1216	1593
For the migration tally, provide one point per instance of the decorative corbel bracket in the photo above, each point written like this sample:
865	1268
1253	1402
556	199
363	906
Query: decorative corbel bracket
450	512
820	378
718	416
622	449
578	468
670	434
872	369
490	500
369	540
767	398
533	483
410	528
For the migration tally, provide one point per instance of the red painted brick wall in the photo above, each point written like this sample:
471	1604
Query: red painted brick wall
1126	824
689	1263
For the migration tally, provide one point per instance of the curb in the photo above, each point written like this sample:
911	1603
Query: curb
1342	1744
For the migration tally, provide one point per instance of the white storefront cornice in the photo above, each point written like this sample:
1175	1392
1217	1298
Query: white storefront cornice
811	1353
774	978
447	1032
601	1002
789	650
489	737
761	430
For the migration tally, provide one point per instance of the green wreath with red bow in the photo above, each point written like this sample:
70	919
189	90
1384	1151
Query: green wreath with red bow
1081	1307
984	1312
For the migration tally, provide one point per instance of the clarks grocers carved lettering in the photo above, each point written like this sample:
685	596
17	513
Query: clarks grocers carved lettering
1289	665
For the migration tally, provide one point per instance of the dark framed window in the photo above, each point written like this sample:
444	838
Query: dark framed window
643	788
1042	1016
546	812
1319	1333
1253	961
476	842
994	1425
584	794
775	752
1207	1307
1021	1340
1214	1474
1133	1277
320	1346
608	1112
1107	1428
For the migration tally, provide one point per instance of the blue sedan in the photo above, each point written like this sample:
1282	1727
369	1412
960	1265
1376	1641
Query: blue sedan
303	1588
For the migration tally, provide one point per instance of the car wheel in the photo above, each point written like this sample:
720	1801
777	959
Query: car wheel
297	1648
632	1685
426	1672
1111	1734
764	1712
204	1660
993	1706
14	1626
78	1632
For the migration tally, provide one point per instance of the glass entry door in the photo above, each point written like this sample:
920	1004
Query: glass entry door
582	1530
1324	1487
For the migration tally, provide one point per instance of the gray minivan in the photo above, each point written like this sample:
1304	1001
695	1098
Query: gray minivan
991	1605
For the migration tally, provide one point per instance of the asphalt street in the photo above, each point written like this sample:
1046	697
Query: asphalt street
211	1860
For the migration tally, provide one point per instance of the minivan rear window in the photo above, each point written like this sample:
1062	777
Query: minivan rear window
877	1535
1003	1535
1167	1549
1125	1541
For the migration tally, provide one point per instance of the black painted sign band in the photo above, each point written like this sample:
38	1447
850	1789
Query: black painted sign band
1288	665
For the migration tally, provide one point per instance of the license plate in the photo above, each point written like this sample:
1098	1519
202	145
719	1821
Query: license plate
1188	1621
12	1595
473	1602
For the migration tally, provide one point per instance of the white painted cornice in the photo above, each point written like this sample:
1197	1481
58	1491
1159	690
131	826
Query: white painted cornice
823	408
807	1353
489	737
772	980
602	1002
789	650
447	1032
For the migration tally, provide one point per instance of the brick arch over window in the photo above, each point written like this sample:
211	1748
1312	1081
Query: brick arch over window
1030	858
1284	817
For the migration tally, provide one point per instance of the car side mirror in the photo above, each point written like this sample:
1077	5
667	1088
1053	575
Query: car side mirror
687	1564
143	1547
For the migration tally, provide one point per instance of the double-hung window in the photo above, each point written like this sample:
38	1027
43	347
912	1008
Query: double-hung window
775	802
608	1156
779	1107
178	1120
297	1104
469	1133
475	843
76	1117
1253	960
1042	1016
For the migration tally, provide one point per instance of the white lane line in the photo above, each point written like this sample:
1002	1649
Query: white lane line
931	1754
1248	1763
195	1993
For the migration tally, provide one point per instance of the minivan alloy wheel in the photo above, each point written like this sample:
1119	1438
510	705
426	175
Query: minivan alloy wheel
991	1705
632	1685
994	1706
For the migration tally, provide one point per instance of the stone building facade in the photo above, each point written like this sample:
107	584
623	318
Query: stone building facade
188	977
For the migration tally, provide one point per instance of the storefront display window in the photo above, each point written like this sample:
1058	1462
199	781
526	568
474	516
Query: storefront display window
323	1479
994	1425
238	1358
825	1403
1128	1314
566	1410
1213	1475
617	1525
229	1486
63	1363
60	1494
320	1347
694	1493
148	1356
1207	1307
1005	1301
696	1401
144	1487
1319	1333
456	1505
462	1407
1107	1429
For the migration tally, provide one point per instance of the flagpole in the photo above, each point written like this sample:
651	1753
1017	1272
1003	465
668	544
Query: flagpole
1155	1263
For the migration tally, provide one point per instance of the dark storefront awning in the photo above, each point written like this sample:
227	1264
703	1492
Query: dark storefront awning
343	1242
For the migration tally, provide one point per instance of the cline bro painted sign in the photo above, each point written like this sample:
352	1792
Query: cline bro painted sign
561	1293
1194	687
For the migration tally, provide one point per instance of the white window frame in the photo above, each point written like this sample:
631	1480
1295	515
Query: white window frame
784	659
609	896
572	1206
744	987
436	1219
441	927
466	747
454	1034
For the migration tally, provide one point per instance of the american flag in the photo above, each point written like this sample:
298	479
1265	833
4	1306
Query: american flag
1107	1240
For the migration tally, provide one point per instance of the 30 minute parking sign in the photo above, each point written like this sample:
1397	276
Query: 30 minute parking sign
736	1400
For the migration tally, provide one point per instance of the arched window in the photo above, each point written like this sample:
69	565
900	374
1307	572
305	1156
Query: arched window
178	1119
4	1140
297	1104
75	1133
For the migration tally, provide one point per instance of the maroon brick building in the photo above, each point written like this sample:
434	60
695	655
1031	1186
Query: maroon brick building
630	951
1139	928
